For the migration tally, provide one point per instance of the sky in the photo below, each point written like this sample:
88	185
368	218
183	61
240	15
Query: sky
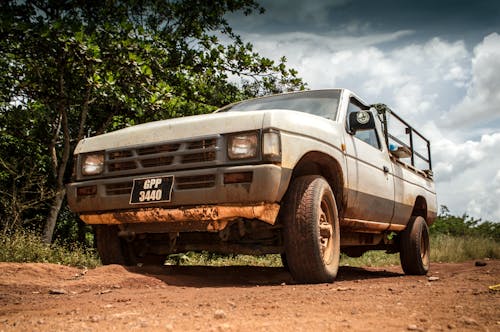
435	63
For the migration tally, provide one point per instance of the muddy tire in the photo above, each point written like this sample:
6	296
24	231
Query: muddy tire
114	250
311	231
109	246
137	253
415	247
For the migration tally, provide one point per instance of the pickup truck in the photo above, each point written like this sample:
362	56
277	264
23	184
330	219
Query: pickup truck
307	175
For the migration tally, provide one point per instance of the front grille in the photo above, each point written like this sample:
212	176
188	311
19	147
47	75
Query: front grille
162	157
121	166
158	149
154	162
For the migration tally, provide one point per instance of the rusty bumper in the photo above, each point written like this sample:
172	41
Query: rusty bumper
215	217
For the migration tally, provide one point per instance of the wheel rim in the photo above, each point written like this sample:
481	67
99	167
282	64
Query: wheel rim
326	230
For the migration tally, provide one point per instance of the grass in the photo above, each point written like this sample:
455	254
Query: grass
444	248
210	259
26	247
447	248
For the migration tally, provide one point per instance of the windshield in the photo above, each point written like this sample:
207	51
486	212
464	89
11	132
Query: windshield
322	103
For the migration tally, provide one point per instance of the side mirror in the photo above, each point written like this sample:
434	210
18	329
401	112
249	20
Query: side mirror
362	120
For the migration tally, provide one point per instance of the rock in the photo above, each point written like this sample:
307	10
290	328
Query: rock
470	321
224	327
57	291
413	327
480	263
219	314
433	278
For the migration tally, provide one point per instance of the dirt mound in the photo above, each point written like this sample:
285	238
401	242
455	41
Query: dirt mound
46	297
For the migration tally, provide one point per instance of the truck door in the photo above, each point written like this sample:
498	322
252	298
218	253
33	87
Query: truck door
369	169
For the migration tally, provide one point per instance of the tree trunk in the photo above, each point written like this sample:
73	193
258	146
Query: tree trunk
59	168
50	225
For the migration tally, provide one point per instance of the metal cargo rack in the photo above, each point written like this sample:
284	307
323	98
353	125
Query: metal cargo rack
412	133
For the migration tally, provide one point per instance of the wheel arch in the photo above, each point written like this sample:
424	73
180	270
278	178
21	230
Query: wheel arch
318	163
420	208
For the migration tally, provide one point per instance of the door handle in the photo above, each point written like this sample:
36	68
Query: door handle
386	169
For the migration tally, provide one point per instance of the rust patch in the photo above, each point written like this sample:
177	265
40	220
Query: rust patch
217	216
364	226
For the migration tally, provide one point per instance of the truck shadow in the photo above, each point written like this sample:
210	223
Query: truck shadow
245	276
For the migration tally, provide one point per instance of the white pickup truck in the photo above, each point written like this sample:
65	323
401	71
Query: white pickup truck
307	175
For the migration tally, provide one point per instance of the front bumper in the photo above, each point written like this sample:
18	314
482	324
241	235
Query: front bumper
200	194
211	218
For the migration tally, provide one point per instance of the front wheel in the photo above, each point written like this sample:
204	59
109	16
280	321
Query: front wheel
311	230
109	246
115	250
415	247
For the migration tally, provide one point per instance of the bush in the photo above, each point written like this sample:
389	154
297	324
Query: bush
27	247
448	224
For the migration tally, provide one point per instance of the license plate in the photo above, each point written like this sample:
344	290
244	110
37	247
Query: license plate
152	190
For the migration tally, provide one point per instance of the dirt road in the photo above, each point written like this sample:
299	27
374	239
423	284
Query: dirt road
46	297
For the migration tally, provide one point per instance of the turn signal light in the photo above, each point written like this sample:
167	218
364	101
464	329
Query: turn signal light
86	191
243	177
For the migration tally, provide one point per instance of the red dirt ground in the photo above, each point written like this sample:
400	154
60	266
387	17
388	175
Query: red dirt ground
47	297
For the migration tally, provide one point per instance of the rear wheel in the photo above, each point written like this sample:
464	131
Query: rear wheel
415	247
311	230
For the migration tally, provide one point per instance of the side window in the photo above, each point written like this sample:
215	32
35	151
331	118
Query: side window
367	136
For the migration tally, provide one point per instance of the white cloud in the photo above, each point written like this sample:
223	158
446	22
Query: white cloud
415	80
467	174
453	159
482	101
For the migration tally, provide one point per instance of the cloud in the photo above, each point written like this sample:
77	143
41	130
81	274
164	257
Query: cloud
481	103
453	159
415	80
289	15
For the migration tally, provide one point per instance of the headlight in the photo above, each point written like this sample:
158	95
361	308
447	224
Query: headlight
242	146
92	164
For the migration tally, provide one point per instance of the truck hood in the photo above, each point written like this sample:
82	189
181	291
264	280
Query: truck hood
199	126
173	129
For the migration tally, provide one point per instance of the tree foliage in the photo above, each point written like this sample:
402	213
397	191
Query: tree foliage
73	67
464	225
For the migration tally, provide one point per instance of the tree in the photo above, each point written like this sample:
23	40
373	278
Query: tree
81	67
464	225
